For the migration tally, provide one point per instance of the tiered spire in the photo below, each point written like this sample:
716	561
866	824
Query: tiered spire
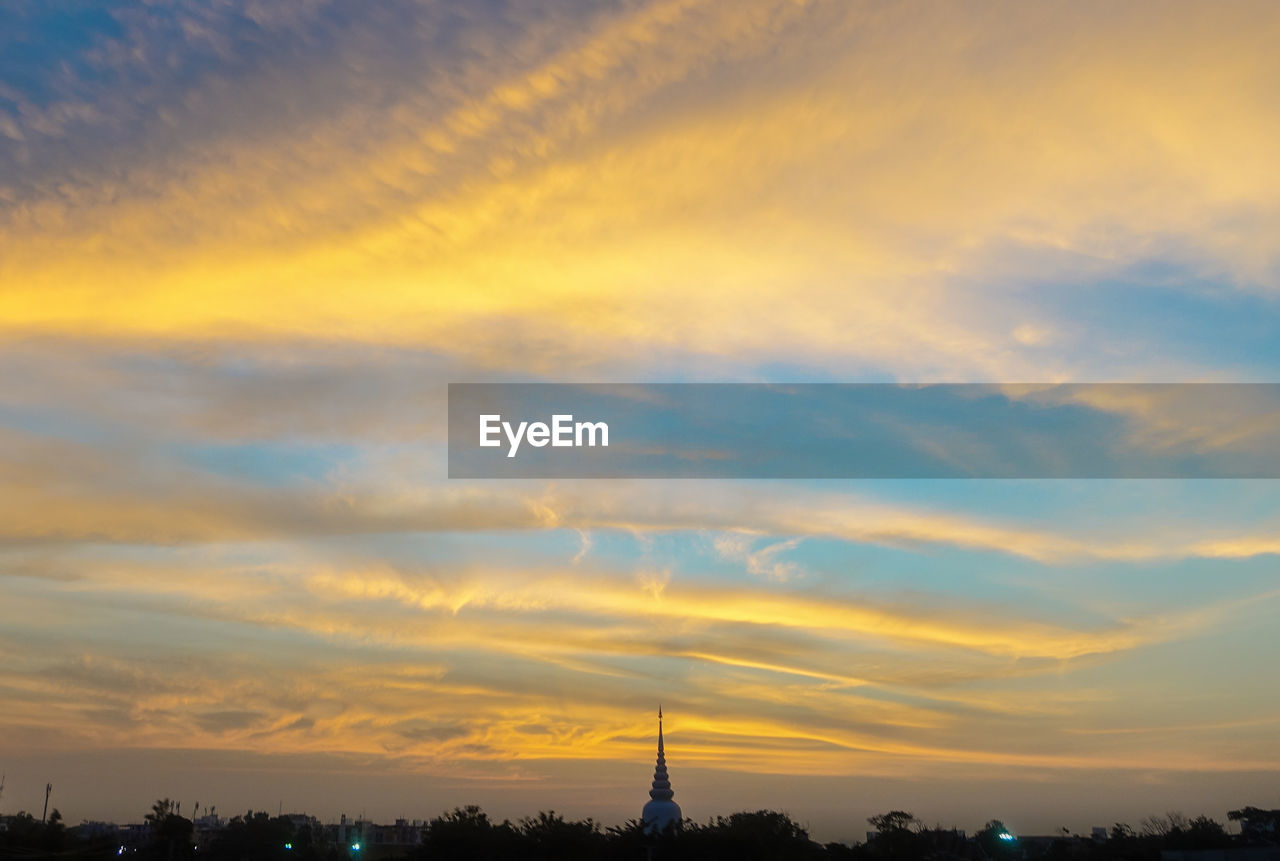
661	790
660	811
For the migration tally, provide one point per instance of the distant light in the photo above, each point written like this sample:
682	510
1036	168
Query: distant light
355	847
120	851
288	846
1005	835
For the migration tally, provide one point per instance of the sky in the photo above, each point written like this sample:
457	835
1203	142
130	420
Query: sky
244	247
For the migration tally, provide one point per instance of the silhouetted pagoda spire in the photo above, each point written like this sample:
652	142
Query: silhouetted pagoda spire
660	811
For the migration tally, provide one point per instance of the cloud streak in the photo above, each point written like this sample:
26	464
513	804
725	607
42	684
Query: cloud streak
534	204
438	669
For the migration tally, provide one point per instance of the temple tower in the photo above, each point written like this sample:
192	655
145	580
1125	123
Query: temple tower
660	811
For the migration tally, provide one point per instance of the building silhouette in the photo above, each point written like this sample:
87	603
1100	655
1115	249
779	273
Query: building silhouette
660	811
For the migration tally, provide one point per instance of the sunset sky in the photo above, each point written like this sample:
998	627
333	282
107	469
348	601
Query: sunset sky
245	245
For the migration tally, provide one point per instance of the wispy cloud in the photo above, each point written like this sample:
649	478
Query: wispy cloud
526	200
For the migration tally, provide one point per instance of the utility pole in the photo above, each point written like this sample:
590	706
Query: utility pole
48	787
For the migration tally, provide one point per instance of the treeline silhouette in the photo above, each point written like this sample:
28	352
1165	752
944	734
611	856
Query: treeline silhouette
469	834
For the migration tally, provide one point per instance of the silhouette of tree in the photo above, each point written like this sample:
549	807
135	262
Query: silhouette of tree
54	837
548	835
894	820
24	831
1122	831
259	836
1162	826
896	833
1257	825
170	833
997	841
762	835
1199	833
163	808
468	834
843	852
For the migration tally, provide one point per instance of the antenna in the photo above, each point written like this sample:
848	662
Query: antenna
48	788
